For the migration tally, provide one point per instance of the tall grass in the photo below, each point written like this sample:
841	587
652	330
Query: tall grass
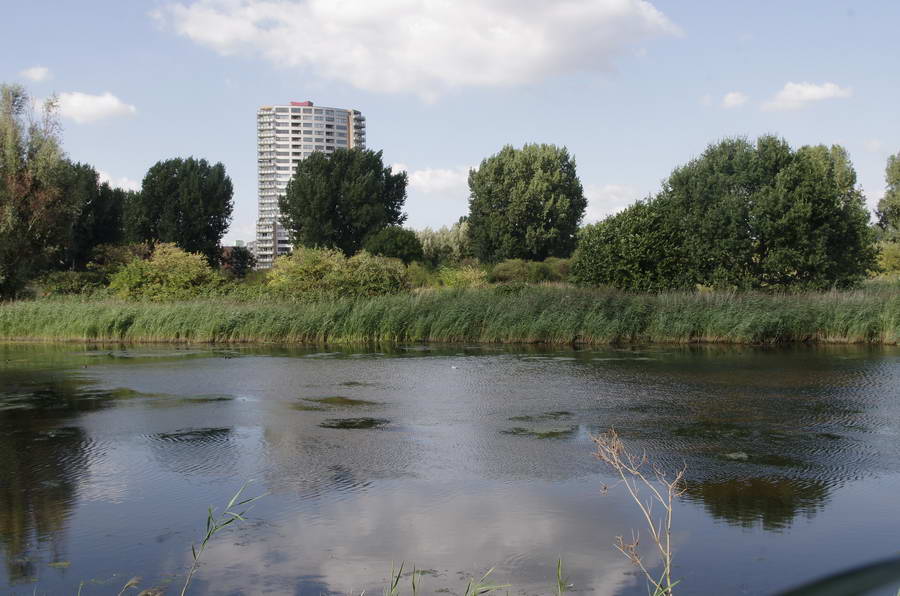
529	314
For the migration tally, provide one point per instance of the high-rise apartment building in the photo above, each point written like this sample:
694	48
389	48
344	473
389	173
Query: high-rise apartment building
285	135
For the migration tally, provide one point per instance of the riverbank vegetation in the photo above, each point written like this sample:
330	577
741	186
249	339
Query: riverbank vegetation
553	314
58	217
751	242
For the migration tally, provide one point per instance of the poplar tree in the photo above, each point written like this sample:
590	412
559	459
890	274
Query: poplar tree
889	206
525	204
187	202
339	200
34	212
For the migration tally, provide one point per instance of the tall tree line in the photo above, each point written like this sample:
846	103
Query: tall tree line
55	213
743	215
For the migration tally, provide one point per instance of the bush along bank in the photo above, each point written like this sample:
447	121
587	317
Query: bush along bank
502	314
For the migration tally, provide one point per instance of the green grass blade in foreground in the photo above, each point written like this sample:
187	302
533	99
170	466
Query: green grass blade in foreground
474	588
213	526
562	584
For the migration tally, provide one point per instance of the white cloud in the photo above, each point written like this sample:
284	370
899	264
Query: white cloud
608	199
425	47
798	95
874	146
734	99
83	107
706	100
438	180
437	196
123	182
36	73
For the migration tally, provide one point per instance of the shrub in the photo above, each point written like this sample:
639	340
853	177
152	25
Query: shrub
65	283
420	276
245	290
307	271
462	277
310	273
106	259
370	275
396	243
889	258
509	270
560	269
169	274
518	270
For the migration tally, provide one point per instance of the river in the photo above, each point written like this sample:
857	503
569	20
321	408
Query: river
454	459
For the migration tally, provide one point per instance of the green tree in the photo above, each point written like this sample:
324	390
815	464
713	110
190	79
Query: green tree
446	246
742	215
187	202
339	200
525	204
811	227
238	261
889	206
638	249
396	243
98	218
34	213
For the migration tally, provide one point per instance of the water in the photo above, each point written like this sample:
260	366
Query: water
456	459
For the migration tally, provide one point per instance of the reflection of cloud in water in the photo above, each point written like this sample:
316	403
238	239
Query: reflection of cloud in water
458	531
768	440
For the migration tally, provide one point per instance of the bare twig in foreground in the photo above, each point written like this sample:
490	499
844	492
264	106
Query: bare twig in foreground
640	476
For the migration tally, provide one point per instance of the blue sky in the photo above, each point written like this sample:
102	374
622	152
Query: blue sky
631	88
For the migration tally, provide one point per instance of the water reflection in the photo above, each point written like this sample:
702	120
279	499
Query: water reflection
772	502
43	456
457	459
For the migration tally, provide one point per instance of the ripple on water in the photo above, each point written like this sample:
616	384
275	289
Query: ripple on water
541	433
196	450
767	440
354	423
343	402
195	436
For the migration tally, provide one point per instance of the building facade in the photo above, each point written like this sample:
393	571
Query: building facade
287	134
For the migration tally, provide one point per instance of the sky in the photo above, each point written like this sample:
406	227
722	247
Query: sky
632	88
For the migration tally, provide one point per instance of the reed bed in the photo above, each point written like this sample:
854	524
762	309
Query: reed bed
533	314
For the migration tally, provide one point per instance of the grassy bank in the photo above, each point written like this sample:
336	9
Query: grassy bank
549	314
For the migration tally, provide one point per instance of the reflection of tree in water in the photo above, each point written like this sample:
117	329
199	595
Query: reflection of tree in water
773	502
42	458
761	473
765	441
752	473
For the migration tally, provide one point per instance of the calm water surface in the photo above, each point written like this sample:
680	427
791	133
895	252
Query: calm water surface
455	459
